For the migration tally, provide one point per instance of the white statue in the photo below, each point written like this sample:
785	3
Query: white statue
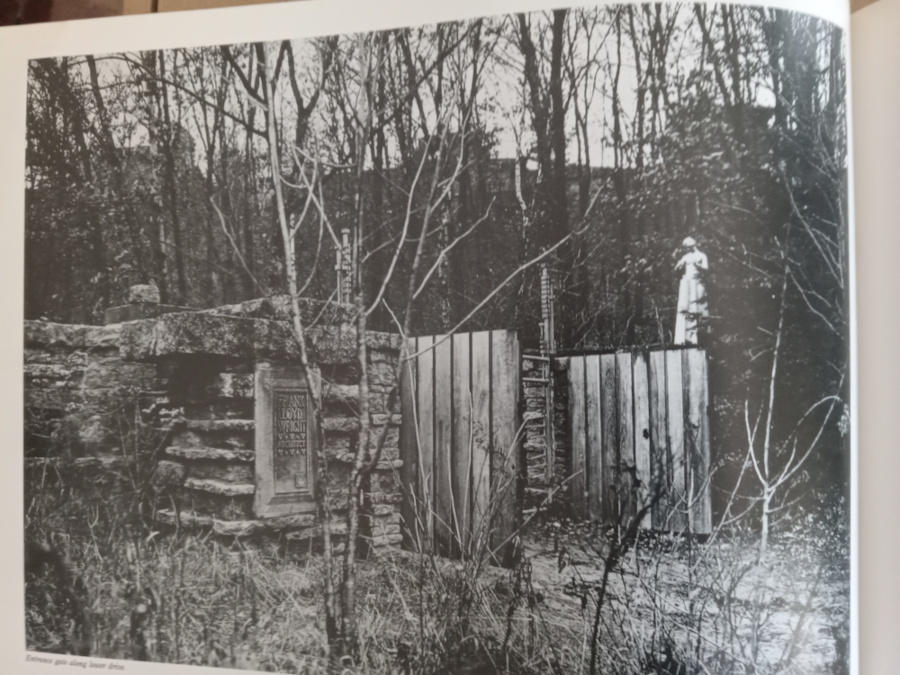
692	305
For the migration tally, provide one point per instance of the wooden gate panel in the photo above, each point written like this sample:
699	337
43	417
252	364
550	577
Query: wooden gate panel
481	438
425	435
506	433
697	440
659	441
677	497
461	431
578	423
640	432
641	387
625	475
409	470
443	442
593	435
609	452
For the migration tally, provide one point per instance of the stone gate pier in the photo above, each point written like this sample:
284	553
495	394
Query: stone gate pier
239	457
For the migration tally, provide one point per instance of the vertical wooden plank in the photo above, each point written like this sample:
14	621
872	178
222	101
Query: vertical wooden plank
677	504
443	442
626	472
704	465
594	434
641	386
409	451
659	445
609	434
697	440
481	440
577	436
462	440
505	441
425	405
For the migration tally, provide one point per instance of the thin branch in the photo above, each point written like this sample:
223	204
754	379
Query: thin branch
405	229
235	248
450	247
512	275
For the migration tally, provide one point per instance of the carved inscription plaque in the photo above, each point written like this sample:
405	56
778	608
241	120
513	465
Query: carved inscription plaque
291	441
285	450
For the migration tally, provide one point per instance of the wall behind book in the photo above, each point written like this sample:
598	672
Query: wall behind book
176	5
36	11
876	99
33	11
170	5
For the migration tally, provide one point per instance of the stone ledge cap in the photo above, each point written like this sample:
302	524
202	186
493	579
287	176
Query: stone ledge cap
194	333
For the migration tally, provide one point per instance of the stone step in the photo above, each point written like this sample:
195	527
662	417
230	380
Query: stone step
350	458
341	394
381	510
193	453
218	425
351	424
236	528
542	381
89	463
535	445
343	424
380	498
338	528
383	540
218	487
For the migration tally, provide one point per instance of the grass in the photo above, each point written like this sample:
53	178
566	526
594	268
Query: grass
673	606
197	601
192	599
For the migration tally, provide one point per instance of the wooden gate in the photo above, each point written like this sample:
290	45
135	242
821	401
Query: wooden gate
460	444
640	435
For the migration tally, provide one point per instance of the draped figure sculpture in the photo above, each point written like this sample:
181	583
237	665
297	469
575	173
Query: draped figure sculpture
692	306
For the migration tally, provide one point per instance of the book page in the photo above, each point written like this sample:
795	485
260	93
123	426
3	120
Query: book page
876	96
499	337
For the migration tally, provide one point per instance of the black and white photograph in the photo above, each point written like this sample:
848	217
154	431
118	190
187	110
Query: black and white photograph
517	344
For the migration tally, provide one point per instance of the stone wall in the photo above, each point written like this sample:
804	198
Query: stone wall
188	380
207	365
533	395
79	392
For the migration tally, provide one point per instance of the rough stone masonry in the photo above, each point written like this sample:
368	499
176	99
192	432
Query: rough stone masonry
200	368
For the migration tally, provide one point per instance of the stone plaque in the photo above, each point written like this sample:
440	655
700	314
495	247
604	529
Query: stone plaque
285	444
291	441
